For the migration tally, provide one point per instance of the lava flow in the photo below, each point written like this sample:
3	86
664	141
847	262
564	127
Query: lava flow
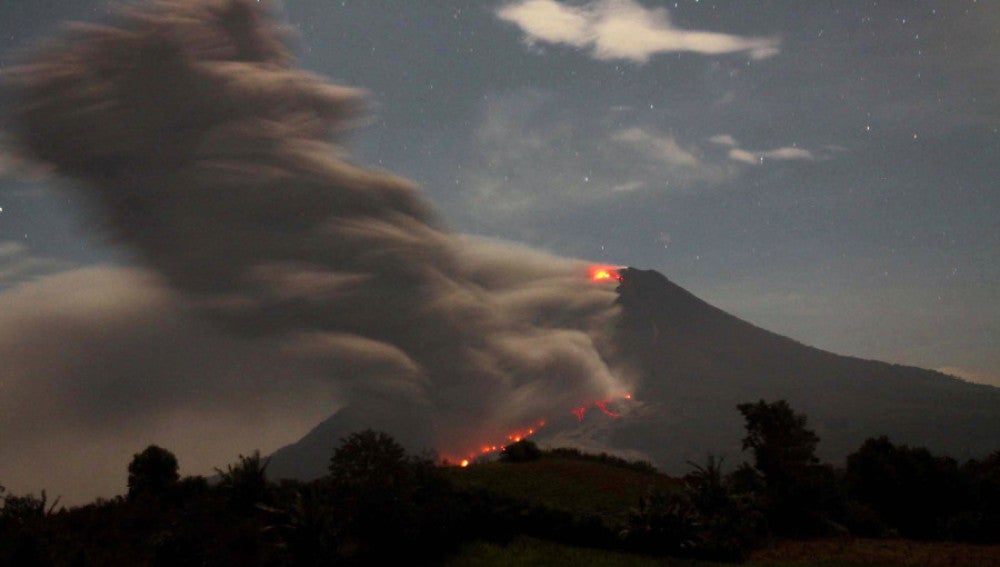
513	437
601	405
516	436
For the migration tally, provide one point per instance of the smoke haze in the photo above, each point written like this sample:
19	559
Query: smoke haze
281	280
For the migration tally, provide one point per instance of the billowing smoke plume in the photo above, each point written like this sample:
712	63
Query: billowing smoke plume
217	160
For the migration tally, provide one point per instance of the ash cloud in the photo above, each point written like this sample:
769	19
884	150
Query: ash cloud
210	154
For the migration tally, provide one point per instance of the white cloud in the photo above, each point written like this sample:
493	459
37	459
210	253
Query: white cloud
535	160
788	153
744	156
550	21
756	157
628	187
663	148
723	140
623	29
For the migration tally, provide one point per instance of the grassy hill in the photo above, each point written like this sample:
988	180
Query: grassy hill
578	485
840	552
530	551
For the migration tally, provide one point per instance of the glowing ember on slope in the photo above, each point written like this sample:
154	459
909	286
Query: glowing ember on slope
513	437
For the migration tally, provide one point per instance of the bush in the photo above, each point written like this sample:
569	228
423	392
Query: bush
522	451
246	482
705	519
909	488
981	521
664	523
21	510
307	527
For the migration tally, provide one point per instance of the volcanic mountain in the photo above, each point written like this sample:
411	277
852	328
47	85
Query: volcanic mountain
695	364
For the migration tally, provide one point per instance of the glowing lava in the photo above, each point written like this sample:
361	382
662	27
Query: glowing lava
601	405
604	273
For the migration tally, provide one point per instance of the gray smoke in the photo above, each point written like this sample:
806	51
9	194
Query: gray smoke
209	153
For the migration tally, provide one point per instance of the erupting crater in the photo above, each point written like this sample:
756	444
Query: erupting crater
600	273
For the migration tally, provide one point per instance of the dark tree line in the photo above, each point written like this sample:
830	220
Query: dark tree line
885	489
377	500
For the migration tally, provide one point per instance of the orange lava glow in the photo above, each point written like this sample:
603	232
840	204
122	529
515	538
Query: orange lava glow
464	463
604	273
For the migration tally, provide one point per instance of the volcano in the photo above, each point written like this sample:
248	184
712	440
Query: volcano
695	363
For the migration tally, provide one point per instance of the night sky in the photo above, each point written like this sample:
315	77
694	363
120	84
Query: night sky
825	172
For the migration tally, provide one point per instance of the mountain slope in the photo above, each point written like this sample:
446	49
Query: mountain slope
696	363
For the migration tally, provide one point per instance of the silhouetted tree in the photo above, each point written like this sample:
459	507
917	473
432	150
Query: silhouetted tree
797	489
152	472
376	483
385	500
369	460
782	445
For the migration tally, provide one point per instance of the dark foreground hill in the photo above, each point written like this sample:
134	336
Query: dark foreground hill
697	362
